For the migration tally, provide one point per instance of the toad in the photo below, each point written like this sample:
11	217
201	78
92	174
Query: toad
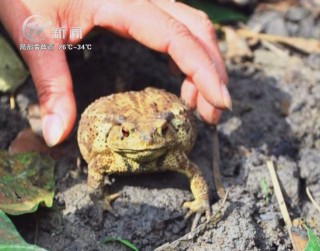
136	132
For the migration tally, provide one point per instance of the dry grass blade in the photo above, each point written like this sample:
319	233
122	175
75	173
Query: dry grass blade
12	102
216	164
302	44
280	199
315	204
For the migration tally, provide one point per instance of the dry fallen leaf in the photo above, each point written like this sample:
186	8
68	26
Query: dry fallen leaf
237	46
28	141
299	237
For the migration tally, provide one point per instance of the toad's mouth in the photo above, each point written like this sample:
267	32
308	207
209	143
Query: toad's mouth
140	150
144	155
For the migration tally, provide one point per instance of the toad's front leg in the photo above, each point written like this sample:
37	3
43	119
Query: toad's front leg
179	162
96	171
98	167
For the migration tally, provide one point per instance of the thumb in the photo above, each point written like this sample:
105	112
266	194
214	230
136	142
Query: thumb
49	68
51	75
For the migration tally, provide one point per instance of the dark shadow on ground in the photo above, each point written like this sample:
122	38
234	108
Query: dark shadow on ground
258	121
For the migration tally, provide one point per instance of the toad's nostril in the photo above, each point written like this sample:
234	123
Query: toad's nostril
147	138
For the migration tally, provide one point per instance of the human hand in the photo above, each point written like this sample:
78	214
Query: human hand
186	34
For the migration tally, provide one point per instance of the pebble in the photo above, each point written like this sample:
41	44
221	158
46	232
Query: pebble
262	19
296	14
306	27
315	90
22	101
296	22
284	105
277	26
292	28
4	99
269	216
309	165
313	61
316	30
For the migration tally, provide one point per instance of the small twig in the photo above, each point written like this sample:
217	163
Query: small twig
195	221
215	217
302	44
280	199
216	163
315	204
12	102
272	47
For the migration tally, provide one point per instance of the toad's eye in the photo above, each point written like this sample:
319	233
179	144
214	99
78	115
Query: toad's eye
164	128
125	132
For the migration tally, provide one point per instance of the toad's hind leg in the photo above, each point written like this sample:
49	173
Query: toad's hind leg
179	162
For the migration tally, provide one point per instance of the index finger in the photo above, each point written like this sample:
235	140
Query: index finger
160	31
200	26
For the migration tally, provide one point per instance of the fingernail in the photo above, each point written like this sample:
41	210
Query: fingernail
226	97
52	129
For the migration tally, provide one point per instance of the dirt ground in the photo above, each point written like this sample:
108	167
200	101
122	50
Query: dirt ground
276	115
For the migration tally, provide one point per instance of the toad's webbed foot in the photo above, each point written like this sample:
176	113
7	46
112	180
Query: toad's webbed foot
102	205
106	203
197	207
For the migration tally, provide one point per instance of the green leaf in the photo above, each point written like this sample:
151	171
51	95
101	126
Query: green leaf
122	241
12	71
10	240
26	180
217	13
313	242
